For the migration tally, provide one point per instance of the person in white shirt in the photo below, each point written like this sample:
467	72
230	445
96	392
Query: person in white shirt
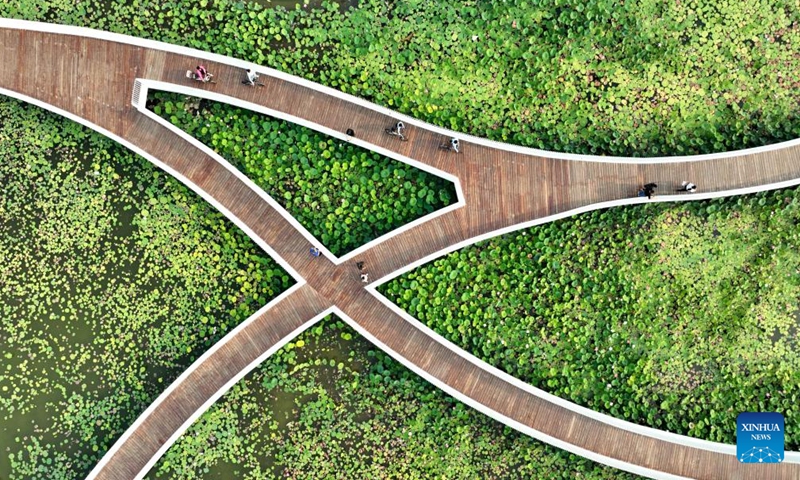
454	144
251	77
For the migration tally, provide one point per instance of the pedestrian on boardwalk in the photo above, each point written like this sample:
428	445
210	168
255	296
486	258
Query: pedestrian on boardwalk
251	78
687	187
314	252
201	73
350	132
360	266
365	278
650	189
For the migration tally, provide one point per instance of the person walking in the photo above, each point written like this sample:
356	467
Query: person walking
364	275
687	187
314	252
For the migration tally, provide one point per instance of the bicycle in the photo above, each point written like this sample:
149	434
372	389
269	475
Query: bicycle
397	131
452	146
209	78
251	80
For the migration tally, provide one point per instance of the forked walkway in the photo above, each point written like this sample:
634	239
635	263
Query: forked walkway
90	77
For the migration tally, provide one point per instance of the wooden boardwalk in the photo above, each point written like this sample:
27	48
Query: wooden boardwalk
191	393
93	79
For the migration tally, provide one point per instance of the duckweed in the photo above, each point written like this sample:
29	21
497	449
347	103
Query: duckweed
674	316
341	408
114	278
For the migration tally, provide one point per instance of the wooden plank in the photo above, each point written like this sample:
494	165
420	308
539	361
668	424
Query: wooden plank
227	361
93	79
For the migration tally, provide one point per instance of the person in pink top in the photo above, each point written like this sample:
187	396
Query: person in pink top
201	73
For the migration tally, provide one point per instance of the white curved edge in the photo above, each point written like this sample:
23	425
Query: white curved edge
219	393
156	45
611	462
230	216
300	282
355	326
146	85
790	457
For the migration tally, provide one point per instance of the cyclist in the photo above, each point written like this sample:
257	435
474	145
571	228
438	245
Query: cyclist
251	77
201	73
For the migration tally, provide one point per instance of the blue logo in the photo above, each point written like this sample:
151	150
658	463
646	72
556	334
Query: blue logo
759	437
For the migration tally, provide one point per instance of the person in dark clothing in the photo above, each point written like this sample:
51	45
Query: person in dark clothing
650	189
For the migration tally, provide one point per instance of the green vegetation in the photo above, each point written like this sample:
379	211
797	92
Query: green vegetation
114	277
642	77
331	405
343	194
675	316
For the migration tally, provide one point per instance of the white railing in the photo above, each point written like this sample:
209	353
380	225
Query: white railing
135	96
138	100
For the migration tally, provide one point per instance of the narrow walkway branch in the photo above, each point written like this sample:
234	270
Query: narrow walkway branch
207	380
89	76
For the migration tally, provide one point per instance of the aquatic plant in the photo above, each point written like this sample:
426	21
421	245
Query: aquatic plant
642	77
343	194
638	78
114	277
331	405
674	316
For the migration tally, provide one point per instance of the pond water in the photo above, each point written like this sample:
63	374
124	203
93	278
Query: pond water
317	363
113	279
54	320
